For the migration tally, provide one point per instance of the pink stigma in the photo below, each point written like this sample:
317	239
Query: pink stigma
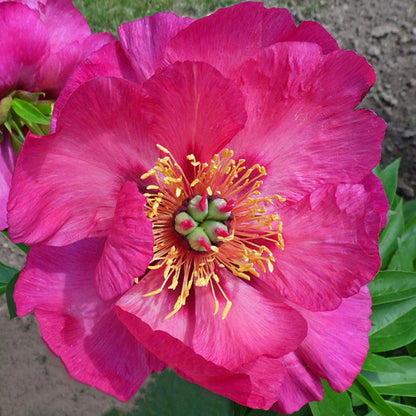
203	202
186	225
221	232
228	206
203	242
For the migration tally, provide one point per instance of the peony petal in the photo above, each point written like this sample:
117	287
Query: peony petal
313	32
58	67
7	163
250	384
331	246
59	285
337	341
129	246
211	110
256	325
110	61
23	45
306	135
66	185
227	37
300	386
144	41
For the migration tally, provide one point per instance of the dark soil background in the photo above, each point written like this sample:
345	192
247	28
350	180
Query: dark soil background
34	381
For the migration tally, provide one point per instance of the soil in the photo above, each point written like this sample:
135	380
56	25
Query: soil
34	382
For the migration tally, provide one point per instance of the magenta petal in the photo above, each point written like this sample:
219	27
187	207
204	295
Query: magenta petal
144	41
59	285
211	110
129	246
170	340
71	180
337	341
58	67
309	31
331	246
300	386
227	37
110	60
24	43
7	163
306	135
256	325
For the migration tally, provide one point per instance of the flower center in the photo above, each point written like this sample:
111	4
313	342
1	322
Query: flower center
211	218
203	220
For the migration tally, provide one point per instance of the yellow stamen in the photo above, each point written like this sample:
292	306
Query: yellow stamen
254	223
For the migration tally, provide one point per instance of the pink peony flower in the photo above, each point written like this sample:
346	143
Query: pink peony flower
214	209
41	41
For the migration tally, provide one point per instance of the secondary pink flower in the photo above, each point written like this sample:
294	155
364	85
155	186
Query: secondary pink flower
239	130
42	41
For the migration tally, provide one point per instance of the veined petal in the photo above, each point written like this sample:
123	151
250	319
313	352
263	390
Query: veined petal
144	41
108	61
128	249
299	387
59	285
23	45
7	163
229	36
331	246
249	384
306	135
211	110
226	38
58	67
71	179
255	325
337	341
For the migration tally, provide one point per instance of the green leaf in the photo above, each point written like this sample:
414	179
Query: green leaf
9	296
6	275
393	325
409	210
402	409
390	233
378	364
171	395
304	411
366	392
392	286
405	256
29	112
333	404
399	380
389	176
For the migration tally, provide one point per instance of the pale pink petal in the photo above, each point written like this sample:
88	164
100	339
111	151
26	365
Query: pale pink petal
331	246
23	45
59	285
144	41
110	60
7	163
171	340
299	387
66	185
306	135
256	325
337	341
128	249
211	110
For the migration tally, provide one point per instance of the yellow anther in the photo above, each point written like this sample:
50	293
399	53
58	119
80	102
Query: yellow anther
163	149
